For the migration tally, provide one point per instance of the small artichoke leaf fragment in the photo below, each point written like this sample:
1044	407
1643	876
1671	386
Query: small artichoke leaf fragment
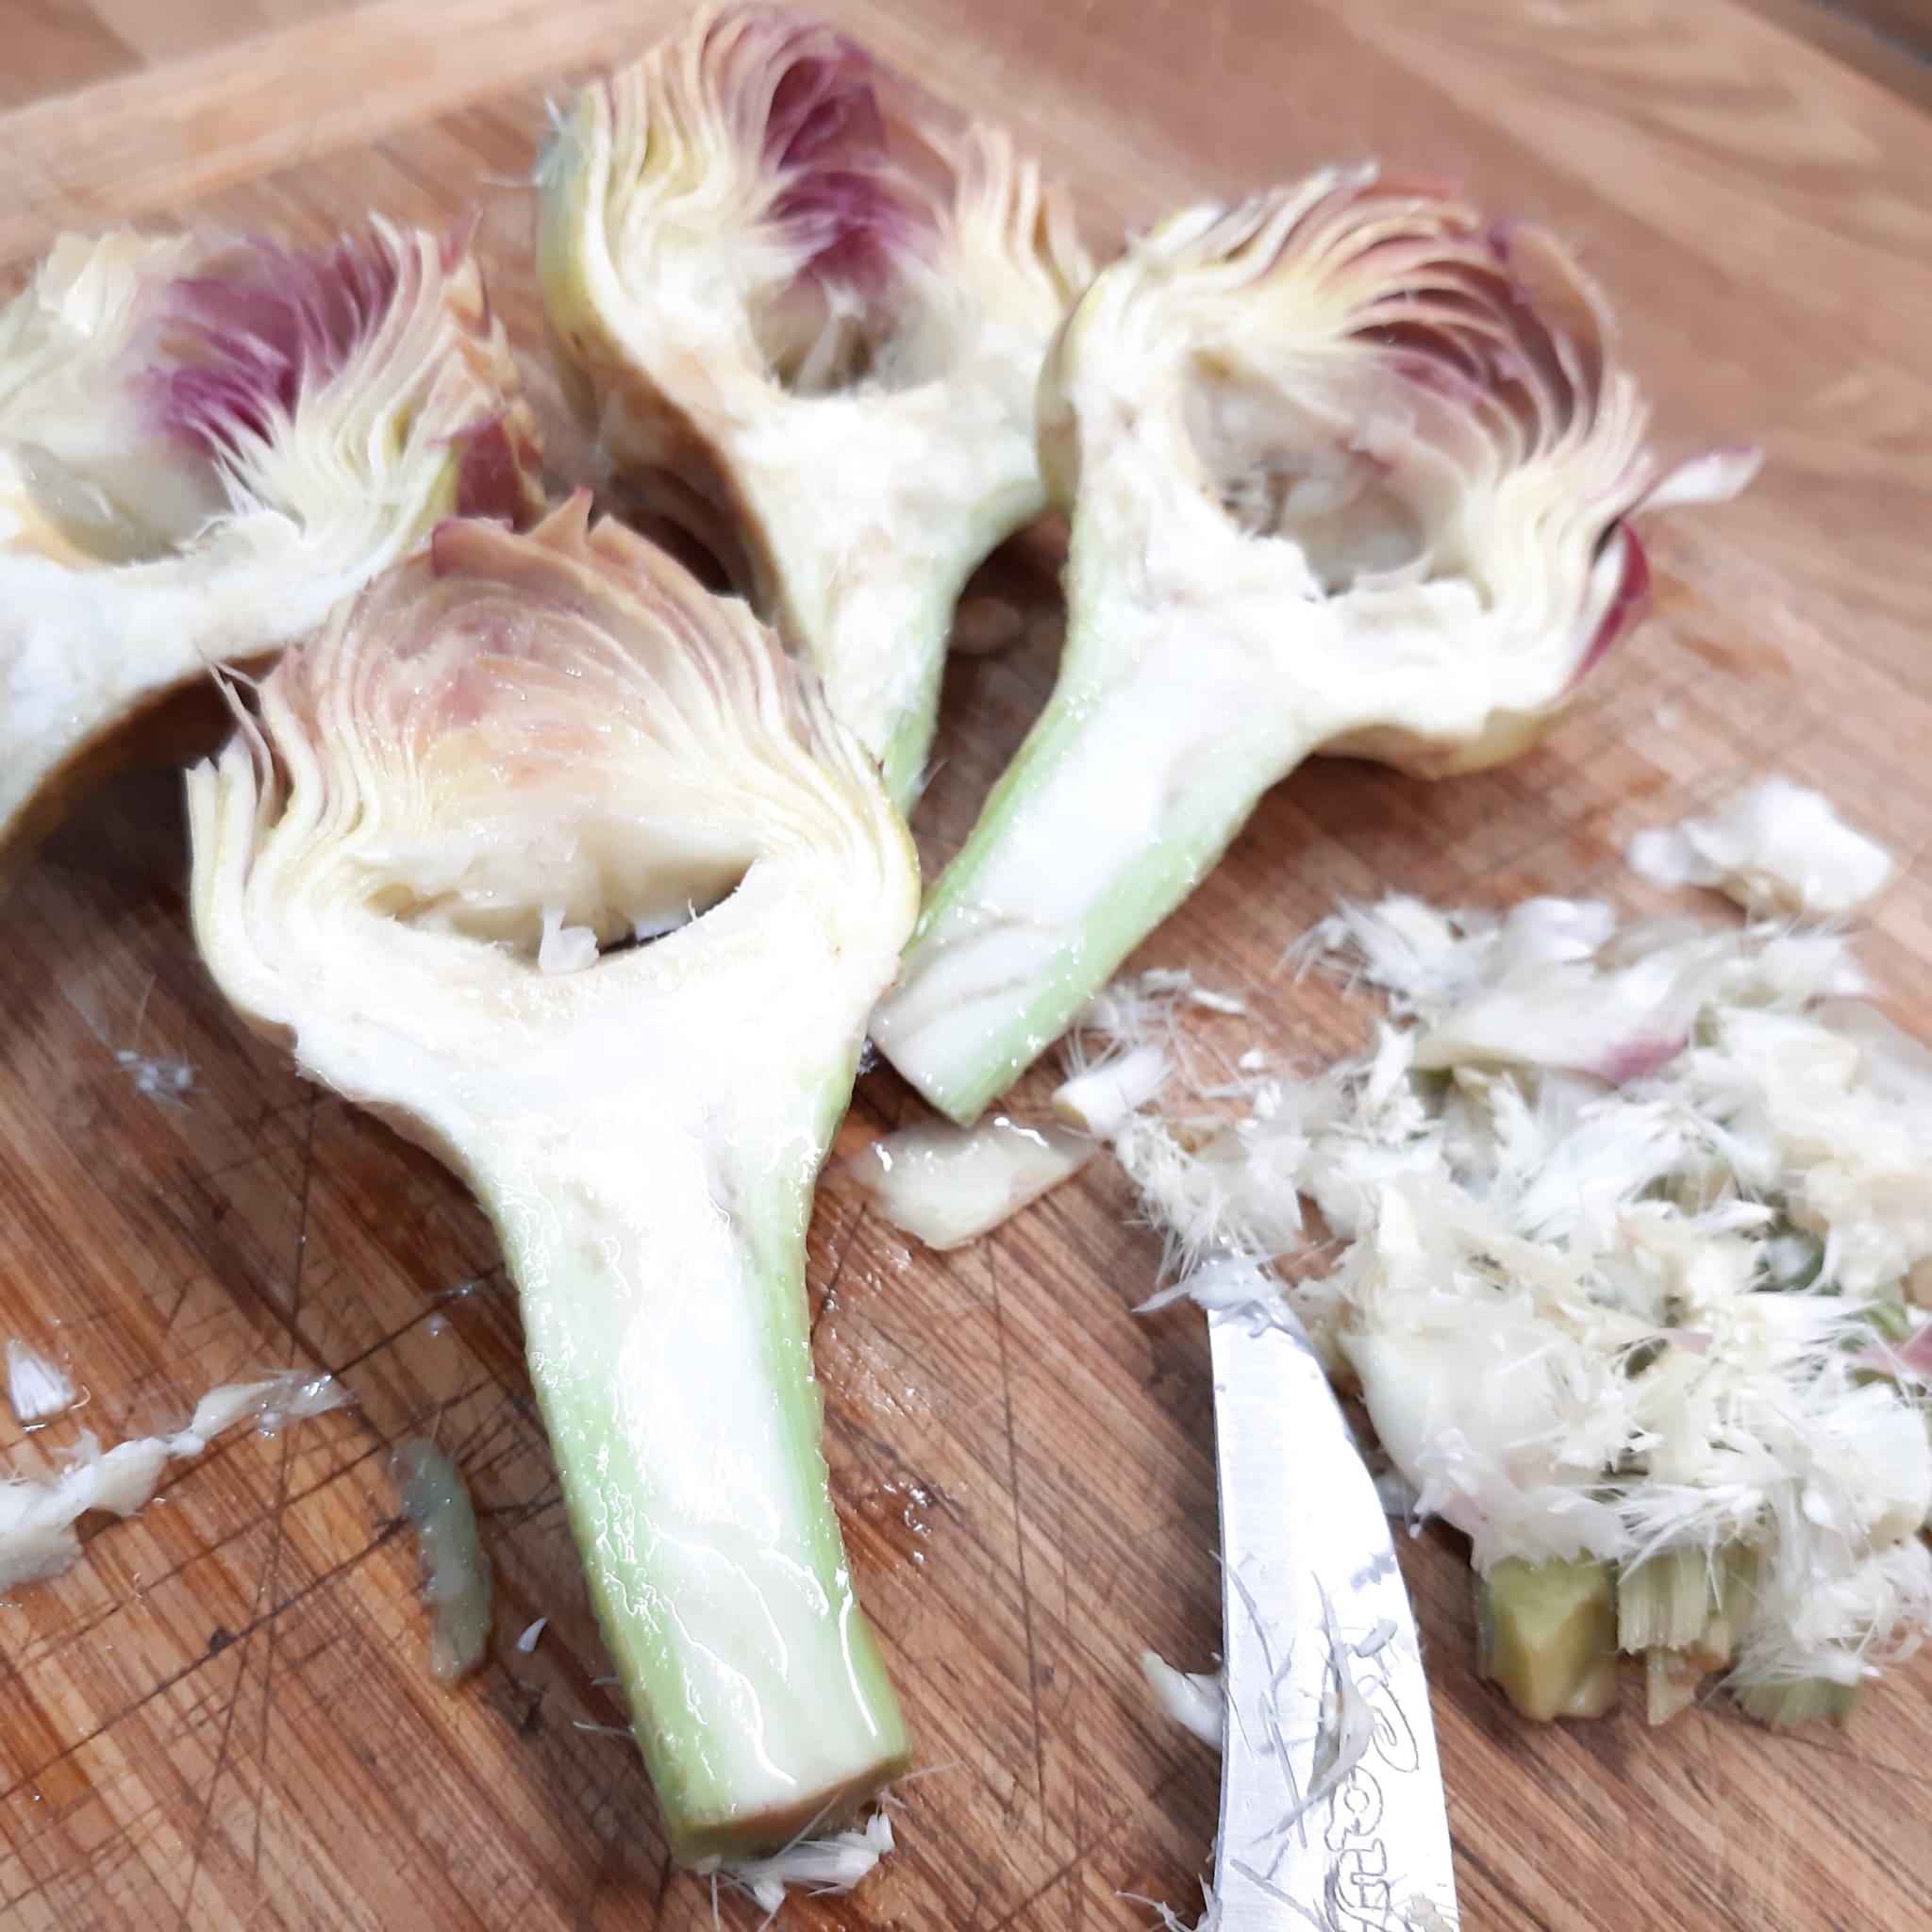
947	1185
823	1866
1195	1700
501	729
1349	470
1630	1320
808	309
205	442
1777	847
455	1572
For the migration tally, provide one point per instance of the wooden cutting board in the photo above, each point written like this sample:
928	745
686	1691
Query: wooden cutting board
220	1717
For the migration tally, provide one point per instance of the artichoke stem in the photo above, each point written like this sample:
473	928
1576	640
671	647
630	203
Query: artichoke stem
1548	1635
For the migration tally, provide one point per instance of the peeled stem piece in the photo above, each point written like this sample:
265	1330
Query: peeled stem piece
1548	1636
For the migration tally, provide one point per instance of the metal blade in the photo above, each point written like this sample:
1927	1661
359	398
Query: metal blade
1313	1604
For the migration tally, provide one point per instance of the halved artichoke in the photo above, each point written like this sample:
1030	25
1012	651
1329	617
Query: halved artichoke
808	310
205	442
562	864
1349	470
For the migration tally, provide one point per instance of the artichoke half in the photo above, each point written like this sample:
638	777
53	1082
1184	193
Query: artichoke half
561	865
807	311
204	444
1349	471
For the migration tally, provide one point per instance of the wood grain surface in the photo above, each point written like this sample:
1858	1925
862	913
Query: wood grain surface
1904	26
220	1717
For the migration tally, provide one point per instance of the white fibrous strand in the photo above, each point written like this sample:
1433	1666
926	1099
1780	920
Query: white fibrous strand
1346	1727
819	1866
36	1388
166	1081
1170	1920
1615	1229
1911	1360
1225	1284
39	1514
1178	982
1194	1699
1134	1034
1778	847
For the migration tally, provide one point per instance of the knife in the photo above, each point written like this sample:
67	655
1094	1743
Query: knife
1331	1791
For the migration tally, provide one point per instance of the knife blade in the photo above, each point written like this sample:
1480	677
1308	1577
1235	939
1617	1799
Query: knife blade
1331	1790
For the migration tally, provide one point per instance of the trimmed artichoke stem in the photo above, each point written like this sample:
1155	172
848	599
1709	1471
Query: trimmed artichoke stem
1670	1683
1663	1603
671	1354
1548	1636
1548	1633
1805	1701
1143	784
1681	1609
1677	1600
1686	1600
